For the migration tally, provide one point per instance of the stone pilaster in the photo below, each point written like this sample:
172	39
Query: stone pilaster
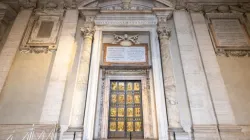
60	68
215	81
80	90
169	79
198	92
11	45
89	118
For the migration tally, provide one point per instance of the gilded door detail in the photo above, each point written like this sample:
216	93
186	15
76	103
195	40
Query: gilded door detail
125	112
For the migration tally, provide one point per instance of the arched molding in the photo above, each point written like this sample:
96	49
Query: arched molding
112	3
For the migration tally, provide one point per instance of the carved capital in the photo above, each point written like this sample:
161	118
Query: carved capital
87	31
164	32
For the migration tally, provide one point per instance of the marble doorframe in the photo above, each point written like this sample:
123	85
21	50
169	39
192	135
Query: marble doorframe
157	80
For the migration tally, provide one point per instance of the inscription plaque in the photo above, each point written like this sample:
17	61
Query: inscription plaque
125	54
229	33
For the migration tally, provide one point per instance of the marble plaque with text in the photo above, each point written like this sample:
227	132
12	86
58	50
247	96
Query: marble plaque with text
229	33
123	54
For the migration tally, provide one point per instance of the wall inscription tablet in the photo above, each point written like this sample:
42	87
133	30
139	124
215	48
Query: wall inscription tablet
229	33
117	54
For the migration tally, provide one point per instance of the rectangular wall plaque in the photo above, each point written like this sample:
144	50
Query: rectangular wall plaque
116	54
45	30
229	33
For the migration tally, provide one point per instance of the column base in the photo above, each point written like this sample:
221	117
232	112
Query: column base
178	134
73	134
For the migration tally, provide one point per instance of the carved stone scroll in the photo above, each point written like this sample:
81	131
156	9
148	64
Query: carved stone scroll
126	40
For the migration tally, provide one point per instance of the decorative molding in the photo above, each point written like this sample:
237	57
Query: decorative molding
195	7
126	40
51	5
36	50
125	72
31	42
89	16
163	16
239	16
126	20
28	4
126	4
216	7
234	53
49	12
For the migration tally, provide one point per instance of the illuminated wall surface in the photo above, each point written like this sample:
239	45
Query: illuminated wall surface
125	69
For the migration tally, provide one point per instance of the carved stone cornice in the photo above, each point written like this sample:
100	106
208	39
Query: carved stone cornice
87	31
89	15
164	32
126	5
217	7
28	4
163	15
47	4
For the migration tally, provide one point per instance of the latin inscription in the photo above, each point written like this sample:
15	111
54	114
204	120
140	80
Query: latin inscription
229	33
116	54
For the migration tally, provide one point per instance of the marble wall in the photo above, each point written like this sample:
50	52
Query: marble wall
235	72
22	98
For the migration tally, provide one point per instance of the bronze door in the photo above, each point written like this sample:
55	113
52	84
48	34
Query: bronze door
125	110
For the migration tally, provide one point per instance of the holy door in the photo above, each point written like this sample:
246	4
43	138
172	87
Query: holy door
125	110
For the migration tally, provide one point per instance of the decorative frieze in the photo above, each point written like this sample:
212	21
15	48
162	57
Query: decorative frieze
125	72
233	53
125	19
126	5
216	7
